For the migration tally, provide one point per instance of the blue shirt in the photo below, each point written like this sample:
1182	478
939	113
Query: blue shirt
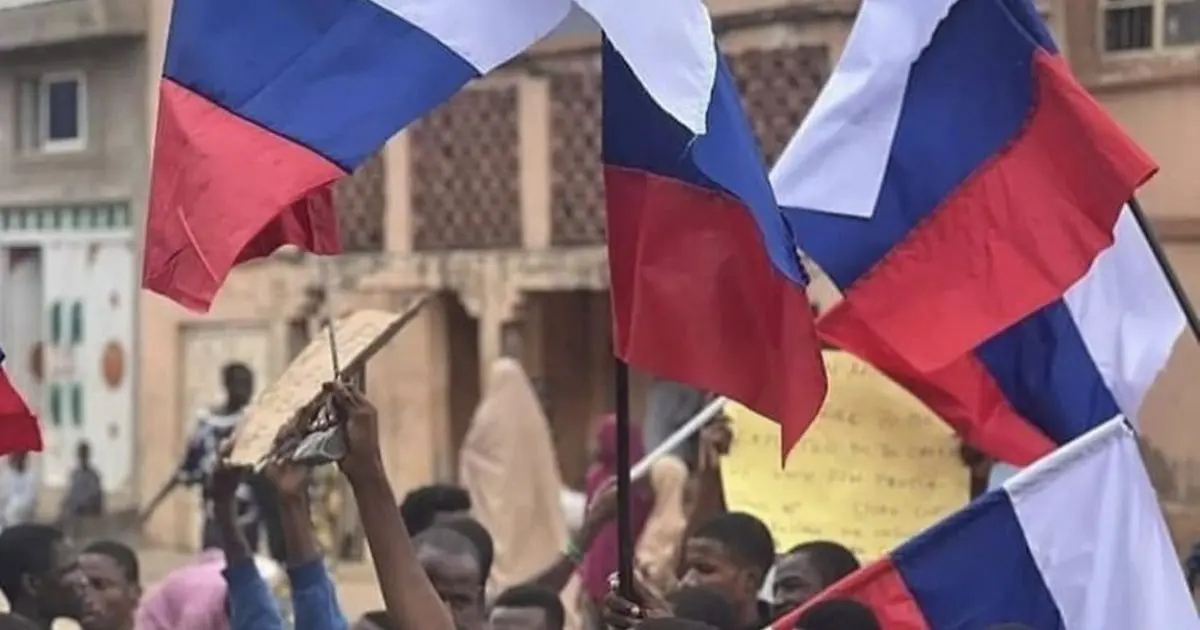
252	607
201	457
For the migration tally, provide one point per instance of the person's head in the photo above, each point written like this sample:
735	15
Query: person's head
475	532
700	603
838	614
115	578
603	447
602	450
39	573
527	607
451	562
732	554
238	381
808	569
194	597
18	461
429	505
374	620
83	454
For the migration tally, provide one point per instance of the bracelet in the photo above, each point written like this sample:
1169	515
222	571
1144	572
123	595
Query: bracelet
573	553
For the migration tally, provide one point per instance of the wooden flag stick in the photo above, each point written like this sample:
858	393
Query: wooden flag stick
625	542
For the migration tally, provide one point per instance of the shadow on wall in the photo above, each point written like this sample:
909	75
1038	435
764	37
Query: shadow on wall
1178	487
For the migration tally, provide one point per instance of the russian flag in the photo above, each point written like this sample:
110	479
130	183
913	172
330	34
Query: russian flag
707	287
19	431
263	104
1076	542
996	184
981	257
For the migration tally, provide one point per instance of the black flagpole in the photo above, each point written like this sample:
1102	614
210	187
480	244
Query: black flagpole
1160	255
625	541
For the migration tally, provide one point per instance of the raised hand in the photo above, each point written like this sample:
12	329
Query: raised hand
361	422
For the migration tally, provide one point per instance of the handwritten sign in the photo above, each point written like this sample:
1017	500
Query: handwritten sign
358	336
876	468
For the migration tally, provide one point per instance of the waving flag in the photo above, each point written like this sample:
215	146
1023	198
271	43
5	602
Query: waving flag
19	429
1004	183
1000	179
1077	542
263	104
1063	370
707	287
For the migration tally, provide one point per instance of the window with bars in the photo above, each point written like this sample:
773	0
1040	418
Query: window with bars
1147	25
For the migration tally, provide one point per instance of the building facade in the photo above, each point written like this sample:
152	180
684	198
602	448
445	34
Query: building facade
73	154
493	203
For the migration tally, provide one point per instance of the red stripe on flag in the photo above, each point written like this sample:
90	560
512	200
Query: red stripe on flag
224	190
1011	239
19	430
879	587
696	299
963	393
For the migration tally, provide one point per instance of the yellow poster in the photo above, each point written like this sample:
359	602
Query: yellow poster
876	468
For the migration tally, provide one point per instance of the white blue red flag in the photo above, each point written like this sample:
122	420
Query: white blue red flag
264	103
1075	542
19	430
707	287
966	193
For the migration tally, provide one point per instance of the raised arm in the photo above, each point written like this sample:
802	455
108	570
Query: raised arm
600	510
251	606
408	596
314	599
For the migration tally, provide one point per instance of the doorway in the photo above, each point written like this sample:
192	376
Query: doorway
22	282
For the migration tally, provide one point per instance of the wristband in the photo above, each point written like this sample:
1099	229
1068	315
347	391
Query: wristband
573	553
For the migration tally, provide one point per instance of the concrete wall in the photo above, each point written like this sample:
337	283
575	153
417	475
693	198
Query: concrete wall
113	165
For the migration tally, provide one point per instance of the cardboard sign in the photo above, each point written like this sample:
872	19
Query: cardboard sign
359	336
876	468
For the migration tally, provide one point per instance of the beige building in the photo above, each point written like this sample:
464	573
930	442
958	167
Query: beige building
494	204
73	155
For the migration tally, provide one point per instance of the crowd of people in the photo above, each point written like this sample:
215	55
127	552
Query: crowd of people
494	553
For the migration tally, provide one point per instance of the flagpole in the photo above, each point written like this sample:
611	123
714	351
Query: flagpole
625	540
1164	263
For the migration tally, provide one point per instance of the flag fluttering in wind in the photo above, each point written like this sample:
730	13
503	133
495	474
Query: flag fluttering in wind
963	191
263	104
1075	542
19	430
707	286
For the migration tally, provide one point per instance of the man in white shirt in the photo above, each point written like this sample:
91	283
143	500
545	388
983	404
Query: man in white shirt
18	492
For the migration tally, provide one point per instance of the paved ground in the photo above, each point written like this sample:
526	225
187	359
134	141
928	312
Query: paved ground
357	590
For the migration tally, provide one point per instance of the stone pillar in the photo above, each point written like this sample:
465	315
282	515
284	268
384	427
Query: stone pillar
492	300
397	194
533	120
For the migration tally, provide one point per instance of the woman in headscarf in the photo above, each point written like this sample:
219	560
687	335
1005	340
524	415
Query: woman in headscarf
600	560
190	598
658	547
509	468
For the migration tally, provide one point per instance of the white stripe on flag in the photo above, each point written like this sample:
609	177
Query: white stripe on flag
836	161
670	46
1093	525
1127	315
486	33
